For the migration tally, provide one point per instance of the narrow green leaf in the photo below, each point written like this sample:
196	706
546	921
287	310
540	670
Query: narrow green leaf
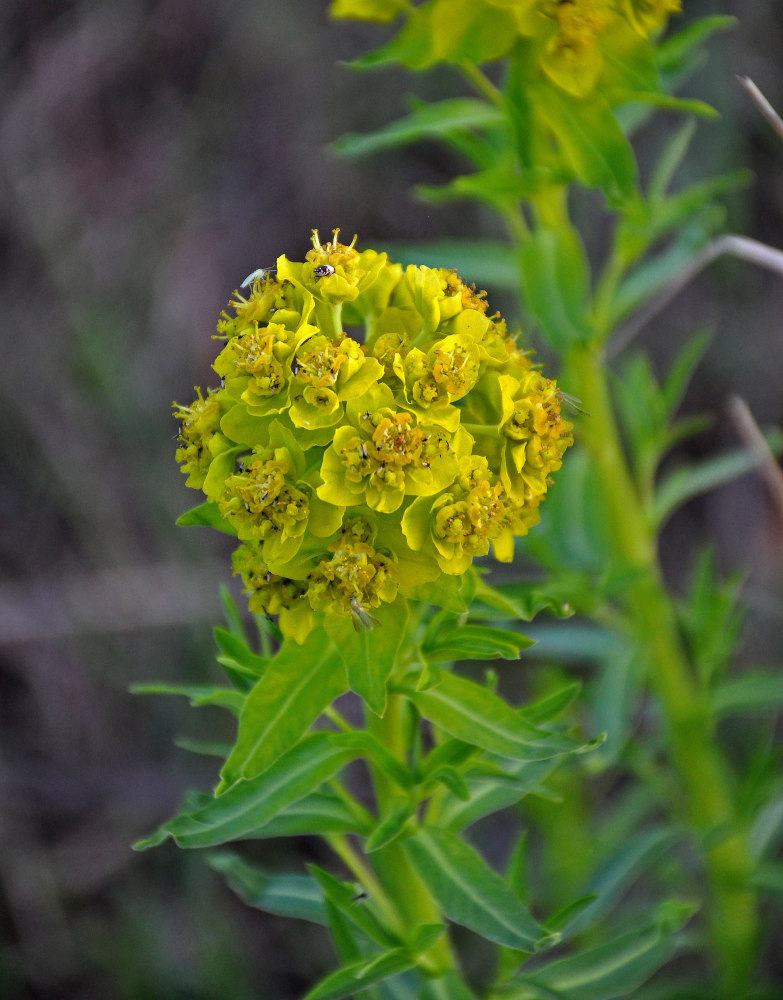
425	121
247	806
198	694
391	825
319	813
559	921
343	935
489	794
673	50
517	869
751	693
299	683
289	895
206	515
516	601
552	705
686	106
591	140
611	970
364	744
620	871
683	484
238	650
369	654
473	714
469	892
354	978
343	896
474	642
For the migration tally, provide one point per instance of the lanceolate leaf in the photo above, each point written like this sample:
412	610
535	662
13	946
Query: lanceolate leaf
591	140
425	121
198	694
299	683
474	642
319	813
289	895
248	805
488	795
359	976
469	892
473	714
756	692
612	970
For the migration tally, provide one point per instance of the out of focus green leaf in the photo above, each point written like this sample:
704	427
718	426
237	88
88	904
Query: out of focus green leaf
289	895
425	121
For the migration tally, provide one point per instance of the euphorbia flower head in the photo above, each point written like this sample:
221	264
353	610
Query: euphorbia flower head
354	468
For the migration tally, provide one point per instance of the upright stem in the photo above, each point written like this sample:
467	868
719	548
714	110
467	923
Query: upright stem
398	877
704	775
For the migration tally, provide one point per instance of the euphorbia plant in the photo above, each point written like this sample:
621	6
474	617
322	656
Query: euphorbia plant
377	429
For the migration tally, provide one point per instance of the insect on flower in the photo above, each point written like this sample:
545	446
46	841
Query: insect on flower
260	274
362	620
573	404
323	271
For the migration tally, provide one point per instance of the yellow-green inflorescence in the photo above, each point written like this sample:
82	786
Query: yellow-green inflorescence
354	468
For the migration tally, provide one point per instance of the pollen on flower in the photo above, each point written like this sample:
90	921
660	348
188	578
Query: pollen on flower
353	470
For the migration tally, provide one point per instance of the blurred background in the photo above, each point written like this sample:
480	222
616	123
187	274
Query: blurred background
151	155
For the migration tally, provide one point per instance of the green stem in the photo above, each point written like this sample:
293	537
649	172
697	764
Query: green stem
400	881
482	83
704	775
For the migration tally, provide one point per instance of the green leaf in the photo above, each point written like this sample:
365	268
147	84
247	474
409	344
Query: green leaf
489	794
473	642
206	515
354	978
682	485
516	602
746	695
391	826
670	160
685	106
319	813
559	921
555	286
343	935
290	895
247	806
485	262
674	50
369	654
591	140
424	121
620	871
551	705
299	683
468	891
472	713
237	650
343	896
198	694
365	744
611	970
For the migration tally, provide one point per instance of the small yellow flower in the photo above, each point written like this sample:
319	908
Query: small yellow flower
198	423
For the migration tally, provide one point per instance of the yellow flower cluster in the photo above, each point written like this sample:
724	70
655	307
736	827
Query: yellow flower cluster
354	468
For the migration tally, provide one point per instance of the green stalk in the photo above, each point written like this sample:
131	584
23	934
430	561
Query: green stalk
704	775
400	881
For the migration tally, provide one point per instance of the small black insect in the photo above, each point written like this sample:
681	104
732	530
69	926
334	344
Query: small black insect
323	271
